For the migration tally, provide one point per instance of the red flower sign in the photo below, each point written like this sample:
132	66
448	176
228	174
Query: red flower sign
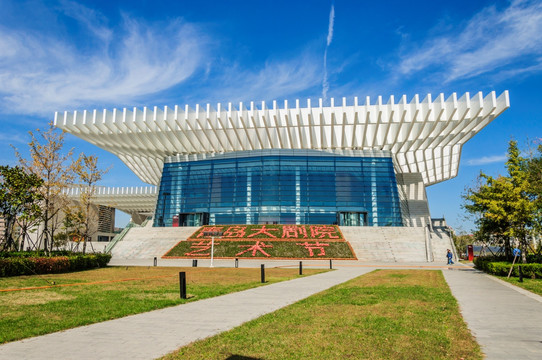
315	246
255	248
271	232
200	247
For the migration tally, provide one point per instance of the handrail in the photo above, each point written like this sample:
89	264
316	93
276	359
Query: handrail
144	223
428	244
119	236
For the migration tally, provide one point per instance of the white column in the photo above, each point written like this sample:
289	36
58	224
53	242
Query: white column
249	197
374	199
297	196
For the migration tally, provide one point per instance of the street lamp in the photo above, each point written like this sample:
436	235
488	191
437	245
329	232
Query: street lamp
212	234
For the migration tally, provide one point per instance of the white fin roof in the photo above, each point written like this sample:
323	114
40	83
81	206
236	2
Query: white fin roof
424	136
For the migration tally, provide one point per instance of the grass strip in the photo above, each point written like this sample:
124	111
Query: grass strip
387	314
532	285
42	311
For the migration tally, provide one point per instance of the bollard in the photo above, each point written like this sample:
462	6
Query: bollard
182	284
195	263
155	261
520	274
236	263
263	273
301	268
330	264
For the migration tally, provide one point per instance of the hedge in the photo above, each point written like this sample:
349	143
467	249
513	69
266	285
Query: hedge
21	265
36	253
501	268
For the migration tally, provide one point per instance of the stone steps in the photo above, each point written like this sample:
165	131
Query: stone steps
148	242
385	244
440	243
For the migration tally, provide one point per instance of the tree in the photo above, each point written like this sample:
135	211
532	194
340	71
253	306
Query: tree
506	204
56	170
88	173
19	197
71	225
534	171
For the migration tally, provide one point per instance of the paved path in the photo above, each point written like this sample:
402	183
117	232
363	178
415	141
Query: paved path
153	334
506	320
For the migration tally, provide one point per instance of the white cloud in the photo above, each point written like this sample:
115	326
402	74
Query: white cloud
330	25
274	80
325	80
491	40
487	160
41	73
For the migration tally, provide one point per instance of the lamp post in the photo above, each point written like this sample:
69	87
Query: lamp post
212	234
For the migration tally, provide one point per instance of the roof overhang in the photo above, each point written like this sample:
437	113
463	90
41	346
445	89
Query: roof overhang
131	200
423	136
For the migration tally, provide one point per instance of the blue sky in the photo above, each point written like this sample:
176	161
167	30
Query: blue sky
69	55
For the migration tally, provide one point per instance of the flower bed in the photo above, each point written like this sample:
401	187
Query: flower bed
266	241
271	232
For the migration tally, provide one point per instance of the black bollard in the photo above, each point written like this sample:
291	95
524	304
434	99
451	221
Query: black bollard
263	273
301	268
520	274
330	264
236	263
195	263
182	284
155	261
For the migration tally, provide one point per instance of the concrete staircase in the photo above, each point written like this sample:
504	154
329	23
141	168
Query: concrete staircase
148	242
440	243
382	244
388	244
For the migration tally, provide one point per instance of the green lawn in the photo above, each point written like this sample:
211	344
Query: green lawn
41	311
533	285
387	314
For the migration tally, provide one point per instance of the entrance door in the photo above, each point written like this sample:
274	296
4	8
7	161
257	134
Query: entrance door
193	219
352	218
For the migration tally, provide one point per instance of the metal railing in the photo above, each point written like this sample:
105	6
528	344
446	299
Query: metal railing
119	236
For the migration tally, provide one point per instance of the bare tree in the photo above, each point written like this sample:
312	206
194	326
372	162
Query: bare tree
88	173
56	170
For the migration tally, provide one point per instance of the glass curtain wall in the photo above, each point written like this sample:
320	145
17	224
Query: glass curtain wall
282	189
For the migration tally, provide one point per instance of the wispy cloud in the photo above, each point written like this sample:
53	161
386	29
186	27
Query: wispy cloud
41	73
487	160
489	41
276	79
133	62
325	81
14	137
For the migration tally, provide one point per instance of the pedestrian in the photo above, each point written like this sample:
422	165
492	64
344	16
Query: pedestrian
449	255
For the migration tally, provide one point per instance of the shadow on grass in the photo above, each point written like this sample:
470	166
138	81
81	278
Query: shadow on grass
241	357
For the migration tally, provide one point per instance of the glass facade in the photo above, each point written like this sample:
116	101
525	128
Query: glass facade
281	188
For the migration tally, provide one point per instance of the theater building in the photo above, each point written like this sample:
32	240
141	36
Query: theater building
351	163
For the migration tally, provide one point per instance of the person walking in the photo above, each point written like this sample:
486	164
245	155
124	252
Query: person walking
450	256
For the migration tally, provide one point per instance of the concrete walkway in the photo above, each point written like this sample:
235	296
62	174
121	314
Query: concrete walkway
506	320
156	333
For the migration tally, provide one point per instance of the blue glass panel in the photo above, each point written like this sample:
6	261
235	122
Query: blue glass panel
280	189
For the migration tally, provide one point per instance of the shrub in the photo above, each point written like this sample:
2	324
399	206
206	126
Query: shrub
20	264
501	268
